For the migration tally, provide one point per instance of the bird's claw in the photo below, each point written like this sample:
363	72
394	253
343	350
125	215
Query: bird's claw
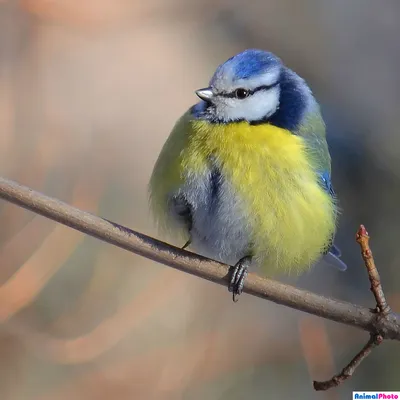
187	244
239	273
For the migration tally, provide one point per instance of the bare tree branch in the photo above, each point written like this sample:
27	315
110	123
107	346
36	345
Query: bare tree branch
362	238
348	371
381	323
382	309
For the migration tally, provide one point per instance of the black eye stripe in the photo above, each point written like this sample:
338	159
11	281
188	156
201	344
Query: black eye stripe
250	92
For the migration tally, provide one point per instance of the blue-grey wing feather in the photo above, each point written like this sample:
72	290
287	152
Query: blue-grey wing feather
332	254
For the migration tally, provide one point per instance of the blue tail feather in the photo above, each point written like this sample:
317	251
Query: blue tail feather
332	258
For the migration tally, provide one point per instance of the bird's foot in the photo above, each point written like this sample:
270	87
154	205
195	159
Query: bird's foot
238	276
187	244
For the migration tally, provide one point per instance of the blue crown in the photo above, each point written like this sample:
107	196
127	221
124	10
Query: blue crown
248	64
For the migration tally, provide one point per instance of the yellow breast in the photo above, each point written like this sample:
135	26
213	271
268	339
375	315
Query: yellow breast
291	217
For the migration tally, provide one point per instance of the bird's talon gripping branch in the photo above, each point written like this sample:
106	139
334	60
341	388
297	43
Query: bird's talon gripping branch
239	273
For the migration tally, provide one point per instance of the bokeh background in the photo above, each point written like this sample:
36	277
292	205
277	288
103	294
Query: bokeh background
89	91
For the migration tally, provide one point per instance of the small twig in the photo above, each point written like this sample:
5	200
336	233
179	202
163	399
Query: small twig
362	238
349	369
382	310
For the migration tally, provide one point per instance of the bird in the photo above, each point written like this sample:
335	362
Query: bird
244	177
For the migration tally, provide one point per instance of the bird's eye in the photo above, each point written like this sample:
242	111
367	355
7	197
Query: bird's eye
241	93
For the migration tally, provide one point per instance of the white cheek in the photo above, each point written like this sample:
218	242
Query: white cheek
260	105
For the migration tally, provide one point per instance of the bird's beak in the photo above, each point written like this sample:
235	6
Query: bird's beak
205	94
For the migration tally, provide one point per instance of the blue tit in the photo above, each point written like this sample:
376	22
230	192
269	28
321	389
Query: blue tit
245	175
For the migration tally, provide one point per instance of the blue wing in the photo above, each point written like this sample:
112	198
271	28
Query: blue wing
326	183
332	254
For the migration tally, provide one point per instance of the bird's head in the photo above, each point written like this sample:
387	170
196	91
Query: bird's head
249	86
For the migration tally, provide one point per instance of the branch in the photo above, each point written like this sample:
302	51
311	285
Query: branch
362	238
382	310
381	323
349	369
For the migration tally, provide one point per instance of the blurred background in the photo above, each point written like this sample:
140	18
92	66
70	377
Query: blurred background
89	91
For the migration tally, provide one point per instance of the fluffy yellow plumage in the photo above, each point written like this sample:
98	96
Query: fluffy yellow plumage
289	215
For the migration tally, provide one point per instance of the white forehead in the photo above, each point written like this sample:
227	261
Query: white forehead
226	82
